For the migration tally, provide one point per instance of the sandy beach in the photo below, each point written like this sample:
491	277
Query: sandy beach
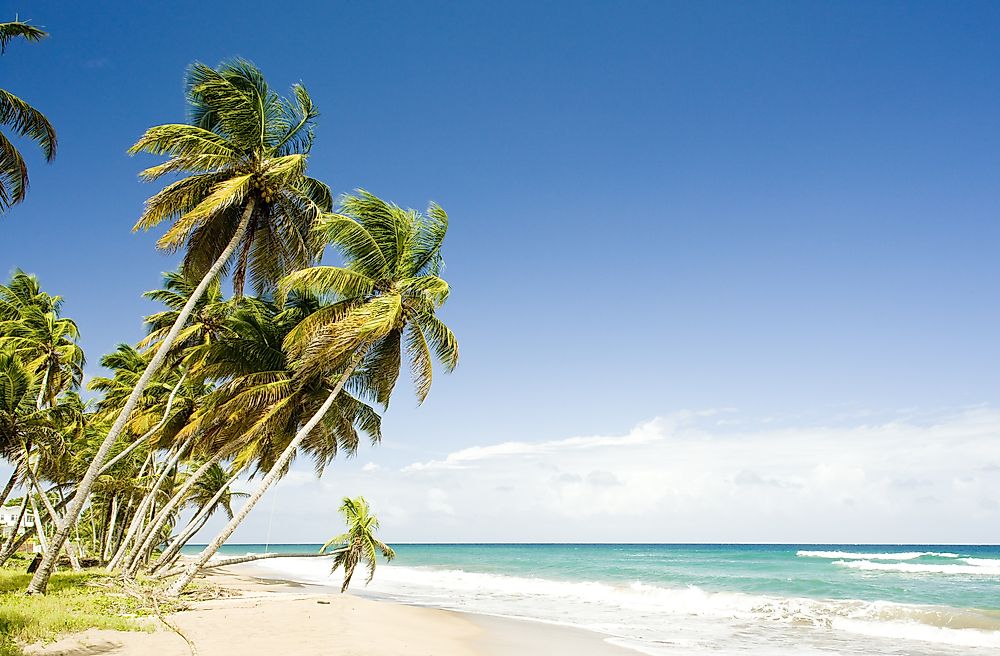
265	616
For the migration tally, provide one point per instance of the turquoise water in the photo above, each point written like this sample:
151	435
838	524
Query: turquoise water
667	599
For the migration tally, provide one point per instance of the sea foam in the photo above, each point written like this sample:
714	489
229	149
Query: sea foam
849	555
665	620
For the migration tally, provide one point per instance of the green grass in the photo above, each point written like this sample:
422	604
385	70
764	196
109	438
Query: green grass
75	601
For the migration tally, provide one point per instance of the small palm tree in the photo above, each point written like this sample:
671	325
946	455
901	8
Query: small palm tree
358	544
23	120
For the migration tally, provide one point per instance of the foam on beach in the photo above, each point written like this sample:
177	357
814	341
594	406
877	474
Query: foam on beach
655	619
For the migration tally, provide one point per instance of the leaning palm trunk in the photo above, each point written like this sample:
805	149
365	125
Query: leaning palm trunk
40	401
124	509
148	434
144	506
53	515
269	479
193	526
147	541
40	580
42	540
110	533
173	554
249	558
11	482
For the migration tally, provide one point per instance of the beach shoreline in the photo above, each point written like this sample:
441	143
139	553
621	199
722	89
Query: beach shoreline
259	614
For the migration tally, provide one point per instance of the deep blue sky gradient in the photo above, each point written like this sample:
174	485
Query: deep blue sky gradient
788	208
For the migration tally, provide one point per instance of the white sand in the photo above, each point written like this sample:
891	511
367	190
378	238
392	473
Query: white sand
277	618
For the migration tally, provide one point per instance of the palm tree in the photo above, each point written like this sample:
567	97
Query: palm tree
387	292
260	405
23	424
358	544
48	345
205	323
245	205
210	493
23	120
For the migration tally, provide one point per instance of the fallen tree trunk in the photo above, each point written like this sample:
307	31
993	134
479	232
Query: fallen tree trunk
247	559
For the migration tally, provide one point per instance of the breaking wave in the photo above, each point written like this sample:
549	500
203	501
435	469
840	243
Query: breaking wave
650	617
988	567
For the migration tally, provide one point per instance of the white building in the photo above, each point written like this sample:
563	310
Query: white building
8	519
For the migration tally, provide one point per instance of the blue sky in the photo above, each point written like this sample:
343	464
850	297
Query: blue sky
783	211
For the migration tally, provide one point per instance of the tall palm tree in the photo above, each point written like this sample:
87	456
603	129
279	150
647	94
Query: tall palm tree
21	295
245	205
386	294
358	544
23	120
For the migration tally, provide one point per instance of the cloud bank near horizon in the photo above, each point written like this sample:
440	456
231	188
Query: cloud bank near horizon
688	477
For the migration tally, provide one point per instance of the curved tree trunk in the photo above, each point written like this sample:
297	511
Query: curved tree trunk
40	581
40	401
147	541
11	482
166	415
54	517
168	559
269	479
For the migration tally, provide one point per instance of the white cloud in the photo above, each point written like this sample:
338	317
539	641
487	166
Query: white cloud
370	467
690	477
647	432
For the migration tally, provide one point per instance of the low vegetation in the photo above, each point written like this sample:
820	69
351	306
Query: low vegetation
76	601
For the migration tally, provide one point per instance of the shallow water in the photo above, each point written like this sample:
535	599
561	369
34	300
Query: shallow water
727	599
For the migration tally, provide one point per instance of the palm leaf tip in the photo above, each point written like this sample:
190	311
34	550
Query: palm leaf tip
18	29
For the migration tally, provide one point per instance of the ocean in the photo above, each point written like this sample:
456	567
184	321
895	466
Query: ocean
669	599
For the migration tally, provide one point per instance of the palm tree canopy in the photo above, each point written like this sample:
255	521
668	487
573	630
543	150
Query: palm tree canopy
245	146
359	543
205	490
24	121
260	403
384	298
22	292
45	342
206	322
21	422
15	29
